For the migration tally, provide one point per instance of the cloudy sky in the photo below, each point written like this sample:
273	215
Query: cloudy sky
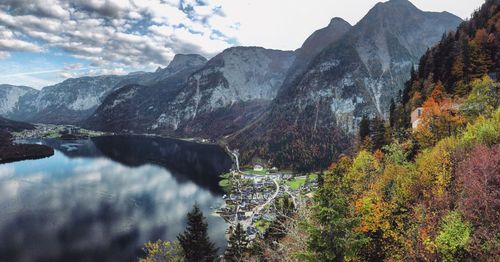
43	42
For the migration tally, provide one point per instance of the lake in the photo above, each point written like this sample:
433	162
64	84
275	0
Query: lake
101	199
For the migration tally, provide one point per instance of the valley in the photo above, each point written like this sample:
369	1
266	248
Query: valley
247	96
376	139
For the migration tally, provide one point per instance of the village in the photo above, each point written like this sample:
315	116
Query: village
251	194
56	131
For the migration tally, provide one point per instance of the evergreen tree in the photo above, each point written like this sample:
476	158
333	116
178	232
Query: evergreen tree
378	133
364	128
321	179
331	234
284	209
392	113
195	241
237	246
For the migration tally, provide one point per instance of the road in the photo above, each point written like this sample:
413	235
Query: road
248	222
257	209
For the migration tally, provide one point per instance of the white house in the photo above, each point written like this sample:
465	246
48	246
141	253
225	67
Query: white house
258	168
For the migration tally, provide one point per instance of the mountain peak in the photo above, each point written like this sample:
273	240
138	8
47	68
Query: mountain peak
337	21
399	2
182	61
395	6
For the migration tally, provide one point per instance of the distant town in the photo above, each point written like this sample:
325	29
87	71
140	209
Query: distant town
251	194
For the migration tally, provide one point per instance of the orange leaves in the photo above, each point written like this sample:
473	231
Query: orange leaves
332	166
378	154
373	213
440	118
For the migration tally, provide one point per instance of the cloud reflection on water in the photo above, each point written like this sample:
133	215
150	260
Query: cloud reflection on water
94	209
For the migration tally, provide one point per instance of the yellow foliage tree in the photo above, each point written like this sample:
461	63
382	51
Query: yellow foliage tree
364	169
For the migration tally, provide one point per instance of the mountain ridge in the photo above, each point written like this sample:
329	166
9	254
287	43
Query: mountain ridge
357	75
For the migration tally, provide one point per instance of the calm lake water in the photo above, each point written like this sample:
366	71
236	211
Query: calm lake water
100	199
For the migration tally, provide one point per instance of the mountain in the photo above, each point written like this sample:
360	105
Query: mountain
223	95
75	99
313	45
315	118
10	95
230	91
135	107
13	126
67	102
181	62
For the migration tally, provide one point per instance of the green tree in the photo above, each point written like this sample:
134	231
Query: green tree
392	113
363	171
284	208
237	246
453	237
331	234
378	133
195	241
162	251
483	99
321	179
364	128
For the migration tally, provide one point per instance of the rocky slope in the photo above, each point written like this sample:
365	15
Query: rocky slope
135	107
208	100
357	75
313	45
10	95
230	91
75	99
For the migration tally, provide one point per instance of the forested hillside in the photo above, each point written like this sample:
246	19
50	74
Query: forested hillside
451	66
423	192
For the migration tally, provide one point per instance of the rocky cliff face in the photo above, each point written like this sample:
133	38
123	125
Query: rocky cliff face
366	69
313	45
75	99
359	74
231	90
193	97
135	107
10	96
69	101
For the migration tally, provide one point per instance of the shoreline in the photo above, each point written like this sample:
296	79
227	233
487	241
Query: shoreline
11	152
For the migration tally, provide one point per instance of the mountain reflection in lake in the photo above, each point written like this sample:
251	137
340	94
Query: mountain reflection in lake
101	199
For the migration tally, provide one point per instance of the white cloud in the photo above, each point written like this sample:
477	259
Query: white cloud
9	43
148	33
106	32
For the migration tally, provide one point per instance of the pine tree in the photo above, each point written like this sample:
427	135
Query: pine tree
331	235
321	179
378	134
392	113
237	246
195	241
364	128
277	229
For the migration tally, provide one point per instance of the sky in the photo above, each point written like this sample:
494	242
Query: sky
43	42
